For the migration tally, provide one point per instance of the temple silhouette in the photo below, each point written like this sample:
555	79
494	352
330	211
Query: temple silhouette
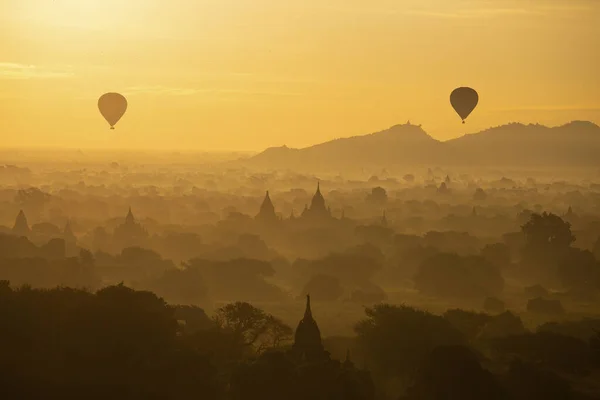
308	349
43	232
21	227
307	339
130	233
316	213
317	210
267	211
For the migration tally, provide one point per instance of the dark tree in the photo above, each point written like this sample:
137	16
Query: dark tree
194	319
117	343
526	381
563	353
378	196
251	328
399	338
275	376
271	377
548	239
479	195
454	372
547	231
579	270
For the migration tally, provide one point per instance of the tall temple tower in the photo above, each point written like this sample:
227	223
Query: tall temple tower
130	219
130	233
21	227
307	340
267	211
317	209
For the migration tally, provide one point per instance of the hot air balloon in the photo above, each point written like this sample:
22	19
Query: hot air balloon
112	106
464	100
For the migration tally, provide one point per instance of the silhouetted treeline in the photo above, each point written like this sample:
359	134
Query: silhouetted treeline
124	344
120	343
196	293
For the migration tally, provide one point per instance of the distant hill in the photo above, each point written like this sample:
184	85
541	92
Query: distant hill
406	143
576	144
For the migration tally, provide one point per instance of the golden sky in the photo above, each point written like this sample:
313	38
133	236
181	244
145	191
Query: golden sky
249	74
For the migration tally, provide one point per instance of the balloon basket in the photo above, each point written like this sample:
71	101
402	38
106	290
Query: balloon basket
112	127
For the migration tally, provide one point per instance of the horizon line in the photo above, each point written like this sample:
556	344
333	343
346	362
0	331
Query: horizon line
192	151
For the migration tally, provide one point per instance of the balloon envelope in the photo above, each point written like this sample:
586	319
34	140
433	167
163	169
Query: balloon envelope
112	106
464	100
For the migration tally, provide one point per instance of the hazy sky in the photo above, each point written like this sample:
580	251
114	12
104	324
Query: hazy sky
248	74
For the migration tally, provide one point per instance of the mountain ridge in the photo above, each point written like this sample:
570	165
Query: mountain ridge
515	144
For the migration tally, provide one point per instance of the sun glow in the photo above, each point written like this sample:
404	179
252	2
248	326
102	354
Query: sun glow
91	14
250	74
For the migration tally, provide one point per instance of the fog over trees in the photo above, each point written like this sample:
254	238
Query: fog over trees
129	280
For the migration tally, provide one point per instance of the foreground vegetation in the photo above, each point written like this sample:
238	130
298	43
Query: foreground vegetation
124	344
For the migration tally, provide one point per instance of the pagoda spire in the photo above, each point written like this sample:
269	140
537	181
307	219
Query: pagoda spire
267	210
307	338
317	204
21	227
130	218
267	201
308	311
